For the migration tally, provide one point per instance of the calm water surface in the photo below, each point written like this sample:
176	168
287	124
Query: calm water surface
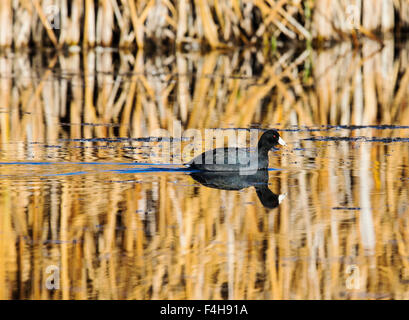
91	208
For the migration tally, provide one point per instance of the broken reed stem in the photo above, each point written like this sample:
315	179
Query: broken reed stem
46	23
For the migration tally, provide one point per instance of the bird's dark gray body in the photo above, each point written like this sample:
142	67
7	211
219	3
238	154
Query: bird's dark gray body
238	159
229	159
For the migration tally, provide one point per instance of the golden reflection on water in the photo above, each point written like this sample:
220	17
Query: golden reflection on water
74	205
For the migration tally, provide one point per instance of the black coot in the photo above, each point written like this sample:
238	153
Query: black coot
238	159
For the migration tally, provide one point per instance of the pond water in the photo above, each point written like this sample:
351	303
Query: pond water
94	206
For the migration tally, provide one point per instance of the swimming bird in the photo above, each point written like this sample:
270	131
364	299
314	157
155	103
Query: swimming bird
230	180
238	159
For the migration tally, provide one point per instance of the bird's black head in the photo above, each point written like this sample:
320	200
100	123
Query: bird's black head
269	139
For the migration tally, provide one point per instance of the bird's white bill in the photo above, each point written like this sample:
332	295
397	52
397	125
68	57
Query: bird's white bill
282	142
281	197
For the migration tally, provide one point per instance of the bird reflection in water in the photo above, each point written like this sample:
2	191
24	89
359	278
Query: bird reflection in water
228	180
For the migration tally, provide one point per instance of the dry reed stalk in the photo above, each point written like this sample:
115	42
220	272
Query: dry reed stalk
89	23
6	23
138	21
105	20
387	16
73	23
403	8
22	23
45	22
206	21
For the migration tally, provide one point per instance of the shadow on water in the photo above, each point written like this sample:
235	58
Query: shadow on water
236	181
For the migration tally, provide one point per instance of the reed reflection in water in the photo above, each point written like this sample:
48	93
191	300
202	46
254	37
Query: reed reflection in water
71	195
